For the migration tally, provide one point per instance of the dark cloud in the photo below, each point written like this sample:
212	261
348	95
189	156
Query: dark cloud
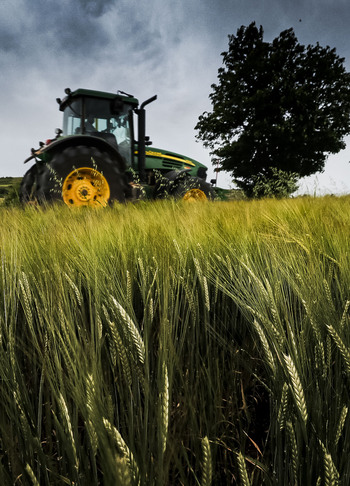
8	41
85	31
71	27
96	8
51	27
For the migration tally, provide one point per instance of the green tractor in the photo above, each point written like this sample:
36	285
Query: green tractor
94	160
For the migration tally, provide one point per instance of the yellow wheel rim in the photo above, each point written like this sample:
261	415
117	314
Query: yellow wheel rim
85	187
194	195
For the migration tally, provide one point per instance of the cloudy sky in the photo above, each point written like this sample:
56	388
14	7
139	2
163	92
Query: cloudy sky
171	48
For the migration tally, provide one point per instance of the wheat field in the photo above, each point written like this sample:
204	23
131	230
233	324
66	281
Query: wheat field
164	343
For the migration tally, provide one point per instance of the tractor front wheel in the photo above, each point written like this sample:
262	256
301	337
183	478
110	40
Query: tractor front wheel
192	189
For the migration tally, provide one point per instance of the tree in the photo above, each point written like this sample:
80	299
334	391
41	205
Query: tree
277	106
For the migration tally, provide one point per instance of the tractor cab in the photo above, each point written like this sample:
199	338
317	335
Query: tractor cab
103	115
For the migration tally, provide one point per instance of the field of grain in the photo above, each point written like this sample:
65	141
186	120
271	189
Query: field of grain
176	344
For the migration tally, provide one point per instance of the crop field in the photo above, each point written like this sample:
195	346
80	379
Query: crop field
176	344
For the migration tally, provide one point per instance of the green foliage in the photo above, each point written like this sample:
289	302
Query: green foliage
277	104
279	184
163	343
11	194
9	190
3	190
9	180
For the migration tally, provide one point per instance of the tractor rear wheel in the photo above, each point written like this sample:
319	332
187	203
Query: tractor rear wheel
28	185
83	176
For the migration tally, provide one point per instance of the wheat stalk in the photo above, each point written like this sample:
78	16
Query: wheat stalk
31	474
151	309
178	251
74	288
69	429
128	288
272	304
164	401
331	475
207	471
320	360
243	470
190	299
341	424
312	322
90	426
123	448
198	269
345	315
282	411
344	351
118	349
91	406
123	473
328	293
134	332
144	273
328	351
26	292
294	448
206	293
99	327
297	388
265	344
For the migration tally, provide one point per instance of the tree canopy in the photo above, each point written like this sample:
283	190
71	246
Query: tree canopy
278	105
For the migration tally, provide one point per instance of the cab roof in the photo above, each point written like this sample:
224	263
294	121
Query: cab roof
98	94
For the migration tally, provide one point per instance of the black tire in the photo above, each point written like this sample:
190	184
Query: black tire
175	184
27	190
70	159
184	184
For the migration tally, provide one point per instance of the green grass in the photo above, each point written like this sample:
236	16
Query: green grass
164	343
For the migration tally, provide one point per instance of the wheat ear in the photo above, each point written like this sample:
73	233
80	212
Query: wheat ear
297	388
207	471
243	470
164	404
341	423
31	474
344	351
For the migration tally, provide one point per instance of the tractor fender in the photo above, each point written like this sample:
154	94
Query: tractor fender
76	140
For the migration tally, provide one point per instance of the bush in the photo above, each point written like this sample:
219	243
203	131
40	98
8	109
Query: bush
280	184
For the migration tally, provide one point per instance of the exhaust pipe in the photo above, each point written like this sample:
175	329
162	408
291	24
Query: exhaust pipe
141	112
